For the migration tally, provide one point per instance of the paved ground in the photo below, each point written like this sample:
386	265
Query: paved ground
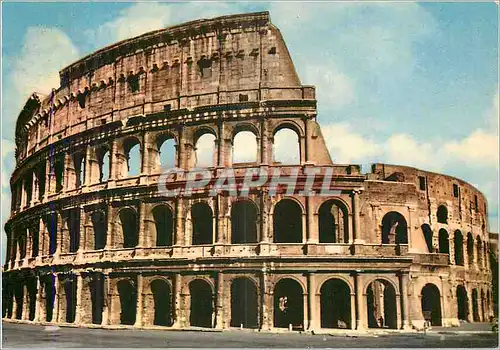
33	336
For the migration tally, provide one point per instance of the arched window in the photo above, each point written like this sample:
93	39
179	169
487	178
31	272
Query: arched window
202	222
166	153
444	243
50	222
244	147
59	171
103	161
470	248
462	303
97	296
426	229
244	303
335	304
394	229
162	303
288	304
205	153
333	222
201	304
287	223
74	229
442	214
458	243
286	147
128	302
164	225
129	227
132	149
243	222
79	164
99	226
431	303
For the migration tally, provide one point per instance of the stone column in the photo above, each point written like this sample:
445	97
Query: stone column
178	307
360	302
219	302
113	164
55	312
139	308
179	221
26	304
141	215
107	301
312	300
80	311
403	285
39	301
355	217
267	317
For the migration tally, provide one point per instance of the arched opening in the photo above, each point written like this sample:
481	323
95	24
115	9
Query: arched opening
164	225
244	147
462	303
288	304
50	222
286	147
50	293
442	214
381	305
162	303
431	304
426	229
335	304
479	252
166	152
70	293
458	243
19	297
475	306
205	151
79	164
243	222
333	222
483	306
470	248
244	303
287	222
58	171
444	243
100	228
103	160
128	302
128	220
31	289
132	150
74	229
202	222
201	304
97	297
394	229
35	238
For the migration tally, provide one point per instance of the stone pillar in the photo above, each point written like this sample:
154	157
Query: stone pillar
267	317
107	301
312	301
178	307
219	302
360	302
179	223
109	233
55	312
266	145
140	297
403	285
80	311
88	173
355	217
141	215
113	164
39	301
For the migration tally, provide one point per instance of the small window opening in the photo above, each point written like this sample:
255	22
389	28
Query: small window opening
456	191
272	50
133	82
81	100
167	107
421	183
205	68
243	98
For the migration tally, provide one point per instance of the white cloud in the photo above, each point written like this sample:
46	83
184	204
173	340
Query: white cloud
8	148
479	148
404	149
286	147
331	84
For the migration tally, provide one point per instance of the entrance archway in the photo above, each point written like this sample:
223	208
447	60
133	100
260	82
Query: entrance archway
431	303
381	305
201	304
50	292
70	293
475	307
288	304
462	303
97	297
162	302
335	304
128	302
244	303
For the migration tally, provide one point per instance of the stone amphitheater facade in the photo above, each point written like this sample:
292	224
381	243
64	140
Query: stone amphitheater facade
89	244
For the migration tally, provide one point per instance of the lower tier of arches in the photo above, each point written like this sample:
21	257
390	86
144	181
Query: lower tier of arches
245	299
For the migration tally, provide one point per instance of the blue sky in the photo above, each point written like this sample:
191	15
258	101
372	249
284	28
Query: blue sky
407	83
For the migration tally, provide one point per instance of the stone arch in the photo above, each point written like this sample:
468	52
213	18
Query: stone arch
287	221
202	300
444	241
286	144
442	214
431	304
205	147
288	304
244	303
163	225
166	151
49	289
128	227
244	219
51	222
132	150
458	244
78	159
462	303
427	231
245	144
100	228
470	248
333	222
127	293
162	297
97	296
381	295
69	290
394	228
103	156
202	223
335	304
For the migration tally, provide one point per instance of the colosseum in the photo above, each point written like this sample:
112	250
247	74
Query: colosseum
93	242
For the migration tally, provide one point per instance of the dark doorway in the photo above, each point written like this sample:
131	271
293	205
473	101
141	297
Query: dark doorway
333	222
201	304
244	303
431	303
462	303
458	242
99	225
288	304
202	221
128	219
335	304
164	225
70	293
50	292
287	222
128	302
97	296
162	300
381	304
444	243
243	222
394	229
475	306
